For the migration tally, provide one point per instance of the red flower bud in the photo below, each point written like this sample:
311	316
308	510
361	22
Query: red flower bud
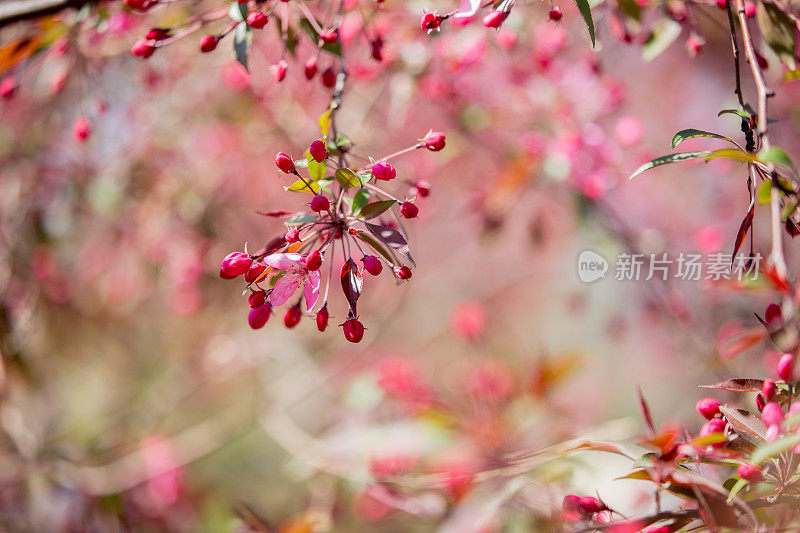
157	34
402	272
768	389
314	260
786	367
571	503
423	189
353	330
409	210
140	5
773	315
555	14
254	271
329	78
322	318
257	20
208	43
82	128
311	67
434	141
750	472
258	316
749	10
495	18
284	162
329	36
292	236
280	70
708	408
292	316
430	21
143	48
383	171
760	402
377	49
257	299
591	505
318	151
372	264
715	425
234	264
320	203
8	87
772	414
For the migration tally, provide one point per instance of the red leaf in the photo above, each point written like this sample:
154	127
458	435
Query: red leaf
646	413
737	385
747	222
352	282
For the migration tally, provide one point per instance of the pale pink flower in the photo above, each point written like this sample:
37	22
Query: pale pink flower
296	275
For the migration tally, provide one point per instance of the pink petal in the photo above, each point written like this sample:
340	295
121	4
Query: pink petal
283	261
284	289
468	8
311	289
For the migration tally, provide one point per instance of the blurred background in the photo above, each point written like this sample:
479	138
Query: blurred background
134	396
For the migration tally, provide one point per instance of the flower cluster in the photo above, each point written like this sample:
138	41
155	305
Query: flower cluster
349	215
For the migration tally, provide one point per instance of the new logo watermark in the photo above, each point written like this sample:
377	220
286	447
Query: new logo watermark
683	266
591	266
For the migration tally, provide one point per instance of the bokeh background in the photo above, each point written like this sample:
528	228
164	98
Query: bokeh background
136	397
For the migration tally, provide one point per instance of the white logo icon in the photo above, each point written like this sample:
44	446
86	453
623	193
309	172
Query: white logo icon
591	266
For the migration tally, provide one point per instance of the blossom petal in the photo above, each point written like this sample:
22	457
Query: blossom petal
311	289
283	261
284	289
468	8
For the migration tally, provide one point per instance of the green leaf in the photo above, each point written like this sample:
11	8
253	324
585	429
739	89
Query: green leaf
316	169
347	178
302	185
771	449
375	209
298	219
742	483
765	192
778	31
732	153
743	114
668	159
776	156
691	133
242	37
663	35
238	11
360	199
586	13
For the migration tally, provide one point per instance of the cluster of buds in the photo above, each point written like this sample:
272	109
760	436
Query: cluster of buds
494	18
350	215
577	508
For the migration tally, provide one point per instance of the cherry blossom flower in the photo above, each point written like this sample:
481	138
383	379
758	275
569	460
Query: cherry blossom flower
296	275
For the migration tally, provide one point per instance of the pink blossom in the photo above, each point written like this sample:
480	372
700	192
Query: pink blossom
297	274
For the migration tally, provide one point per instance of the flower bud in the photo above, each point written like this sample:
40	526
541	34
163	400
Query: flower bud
715	425
708	408
8	87
786	367
257	299
257	20
254	271
284	162
329	78
409	210
234	264
749	10
157	34
402	272
318	151
208	43
434	141
772	415
377	49
760	402
143	48
292	316
311	67
258	316
322	318
383	171
328	36
280	70
571	503
422	188
320	203
773	315
768	389
353	330
292	236
82	129
495	19
750	472
314	260
555	14
372	264
591	505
